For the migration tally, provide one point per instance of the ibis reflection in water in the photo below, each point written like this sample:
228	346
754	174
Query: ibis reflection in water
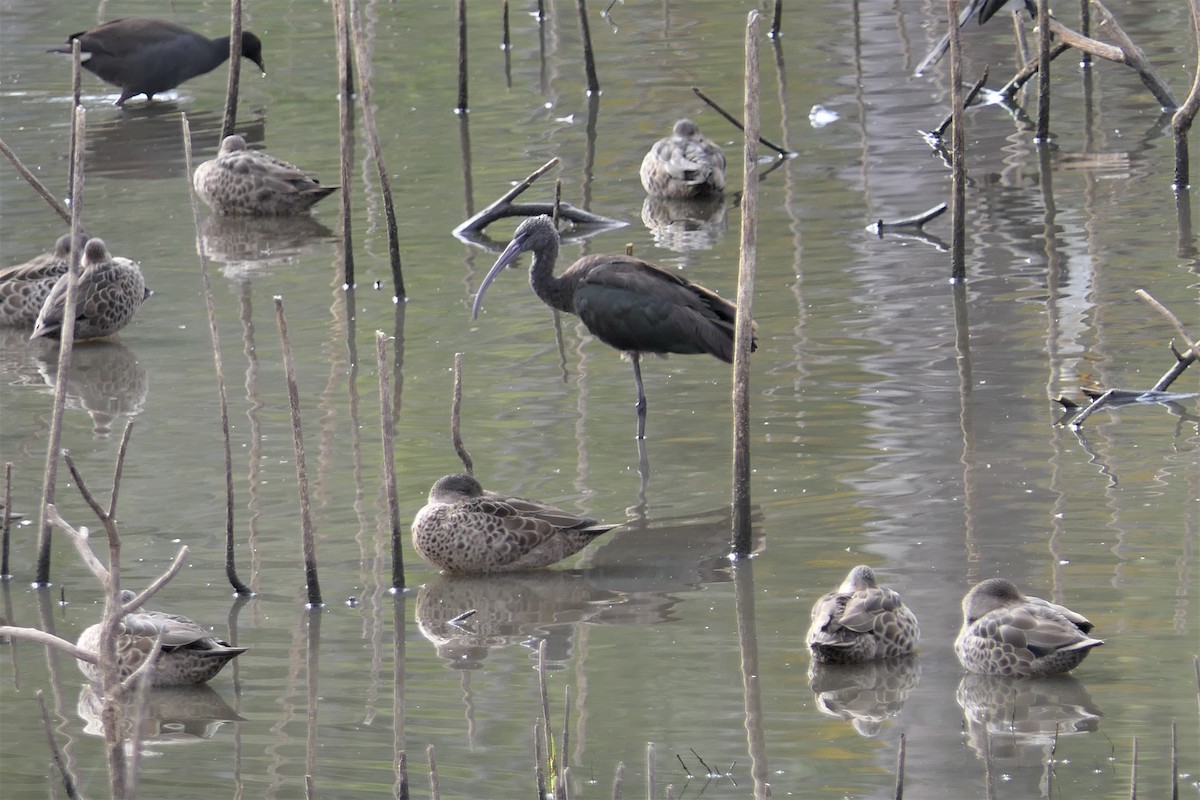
623	301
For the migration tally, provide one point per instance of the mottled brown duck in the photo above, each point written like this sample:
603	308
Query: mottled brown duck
1007	633
465	530
861	621
151	56
25	287
684	164
245	182
111	290
190	653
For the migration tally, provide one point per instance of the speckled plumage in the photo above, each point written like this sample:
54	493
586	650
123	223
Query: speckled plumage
245	182
464	529
149	56
190	654
861	621
1007	633
111	290
25	287
684	164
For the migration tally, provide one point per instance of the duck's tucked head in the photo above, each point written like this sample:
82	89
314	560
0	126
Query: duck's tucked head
232	144
252	49
686	128
454	488
988	596
860	578
95	252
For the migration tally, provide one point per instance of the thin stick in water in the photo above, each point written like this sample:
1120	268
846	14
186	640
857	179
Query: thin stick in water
744	327
341	27
460	19
6	524
900	753
309	535
66	343
776	20
37	185
456	418
589	57
1043	27
235	69
435	791
222	392
387	430
385	182
1133	769
733	121
76	88
618	789
958	153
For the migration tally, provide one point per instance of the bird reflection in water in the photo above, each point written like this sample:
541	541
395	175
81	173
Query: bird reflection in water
106	380
685	225
866	694
172	715
249	246
1017	714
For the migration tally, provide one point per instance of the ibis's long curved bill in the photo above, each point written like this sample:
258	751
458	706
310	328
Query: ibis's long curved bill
514	249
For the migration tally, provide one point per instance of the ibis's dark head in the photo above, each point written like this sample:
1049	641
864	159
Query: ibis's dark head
537	235
252	49
455	488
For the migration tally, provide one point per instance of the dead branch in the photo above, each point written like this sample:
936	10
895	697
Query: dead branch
49	640
504	207
456	418
733	121
970	98
37	185
1181	123
917	221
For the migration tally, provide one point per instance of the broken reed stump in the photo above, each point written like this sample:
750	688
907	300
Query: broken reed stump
460	20
1043	118
222	392
308	534
589	56
1181	121
744	325
958	153
76	89
66	343
456	418
387	432
229	122
341	27
6	518
385	183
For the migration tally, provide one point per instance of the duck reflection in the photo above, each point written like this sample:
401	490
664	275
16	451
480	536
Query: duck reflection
465	616
1022	713
865	694
172	714
247	245
106	380
143	143
685	225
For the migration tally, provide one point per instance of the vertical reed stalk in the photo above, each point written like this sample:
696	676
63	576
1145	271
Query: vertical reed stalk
744	329
309	535
368	112
460	18
341	27
6	523
456	418
387	431
1043	118
235	68
958	153
589	57
222	392
76	73
435	791
66	344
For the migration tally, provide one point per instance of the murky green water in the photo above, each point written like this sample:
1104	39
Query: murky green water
879	434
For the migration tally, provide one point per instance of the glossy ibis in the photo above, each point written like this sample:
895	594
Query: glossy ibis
982	10
190	653
1007	633
24	288
245	182
149	56
684	165
861	621
111	289
464	529
624	302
